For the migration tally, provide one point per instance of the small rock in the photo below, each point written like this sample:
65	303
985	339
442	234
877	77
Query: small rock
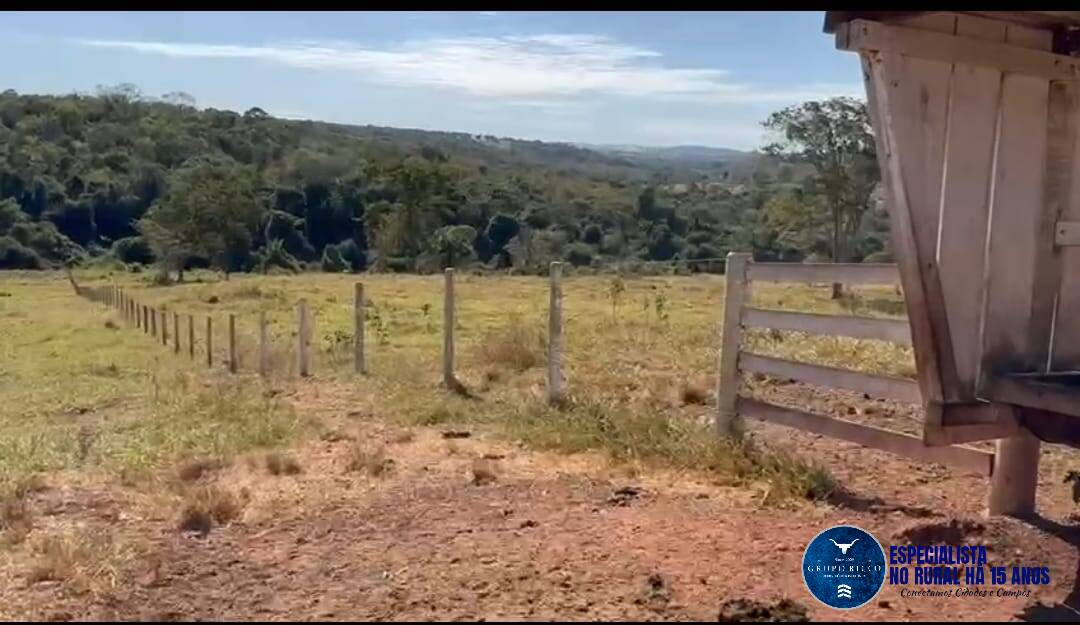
456	434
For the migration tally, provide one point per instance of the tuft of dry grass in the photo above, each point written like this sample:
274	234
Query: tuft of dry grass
401	437
482	472
196	469
693	393
641	433
87	560
207	505
281	464
16	520
367	459
516	346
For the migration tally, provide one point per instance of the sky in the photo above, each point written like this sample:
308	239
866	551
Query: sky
646	78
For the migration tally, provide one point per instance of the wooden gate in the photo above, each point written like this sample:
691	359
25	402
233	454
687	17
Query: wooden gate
741	272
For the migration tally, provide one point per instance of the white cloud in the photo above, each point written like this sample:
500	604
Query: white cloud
525	67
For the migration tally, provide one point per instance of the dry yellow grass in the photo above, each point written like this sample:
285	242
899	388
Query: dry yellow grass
639	357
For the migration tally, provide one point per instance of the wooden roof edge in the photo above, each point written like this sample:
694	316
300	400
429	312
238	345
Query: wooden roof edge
1039	19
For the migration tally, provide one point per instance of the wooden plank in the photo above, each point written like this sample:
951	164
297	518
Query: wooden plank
880	386
1016	201
963	458
847	273
955	434
906	102
303	339
209	341
1057	187
1067	233
234	360
556	382
1029	392
831	325
867	36
448	329
359	316
964	208
1015	475
727	381
264	345
1065	352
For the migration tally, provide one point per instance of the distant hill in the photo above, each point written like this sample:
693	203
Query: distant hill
79	172
689	153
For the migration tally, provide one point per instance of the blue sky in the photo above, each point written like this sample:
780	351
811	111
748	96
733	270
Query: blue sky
704	78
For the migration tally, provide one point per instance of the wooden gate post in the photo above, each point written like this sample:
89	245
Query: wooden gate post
176	332
448	329
556	384
209	342
1015	476
233	364
727	383
264	345
191	336
360	315
303	339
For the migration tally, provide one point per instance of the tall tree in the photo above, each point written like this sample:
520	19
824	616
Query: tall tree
211	211
835	137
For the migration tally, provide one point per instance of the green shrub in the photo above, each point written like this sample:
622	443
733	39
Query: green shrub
332	261
15	255
133	250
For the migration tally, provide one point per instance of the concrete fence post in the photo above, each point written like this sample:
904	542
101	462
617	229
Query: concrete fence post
448	328
727	382
556	383
359	317
303	339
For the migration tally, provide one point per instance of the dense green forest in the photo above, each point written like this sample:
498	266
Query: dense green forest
120	176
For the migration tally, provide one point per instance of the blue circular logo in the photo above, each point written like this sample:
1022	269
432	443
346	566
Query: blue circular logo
844	567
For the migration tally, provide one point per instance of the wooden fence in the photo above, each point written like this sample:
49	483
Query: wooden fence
153	321
738	315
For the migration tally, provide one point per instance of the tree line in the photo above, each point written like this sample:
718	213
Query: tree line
123	177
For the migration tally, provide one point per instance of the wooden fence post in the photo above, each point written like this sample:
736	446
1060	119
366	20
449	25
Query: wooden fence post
176	332
137	314
303	339
233	364
359	314
1015	476
448	328
191	336
264	345
153	322
209	342
556	382
727	383
165	328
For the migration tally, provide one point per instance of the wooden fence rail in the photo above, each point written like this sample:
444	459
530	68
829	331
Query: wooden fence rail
734	360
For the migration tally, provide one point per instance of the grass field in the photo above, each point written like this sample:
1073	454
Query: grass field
82	389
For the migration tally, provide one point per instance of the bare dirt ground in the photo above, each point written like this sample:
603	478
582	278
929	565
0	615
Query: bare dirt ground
473	528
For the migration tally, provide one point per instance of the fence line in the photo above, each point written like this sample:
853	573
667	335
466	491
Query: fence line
146	318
